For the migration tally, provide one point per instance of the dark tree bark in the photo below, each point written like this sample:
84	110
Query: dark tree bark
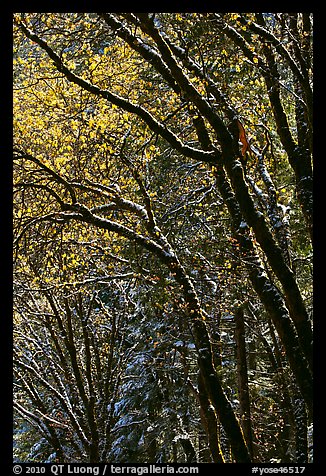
242	371
210	423
268	293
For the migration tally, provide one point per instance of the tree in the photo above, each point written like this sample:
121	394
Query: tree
139	159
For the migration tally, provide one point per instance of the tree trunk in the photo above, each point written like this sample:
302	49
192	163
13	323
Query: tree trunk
210	420
268	293
244	397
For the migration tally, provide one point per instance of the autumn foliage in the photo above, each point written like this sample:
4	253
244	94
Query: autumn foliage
162	237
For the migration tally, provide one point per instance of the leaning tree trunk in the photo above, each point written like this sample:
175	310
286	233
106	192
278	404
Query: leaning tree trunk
268	293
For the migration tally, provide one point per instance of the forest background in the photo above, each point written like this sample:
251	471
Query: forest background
162	237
